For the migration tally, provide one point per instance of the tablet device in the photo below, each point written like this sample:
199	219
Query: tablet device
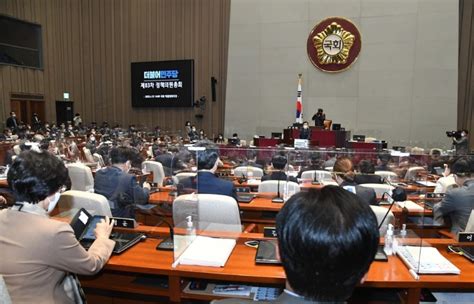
267	253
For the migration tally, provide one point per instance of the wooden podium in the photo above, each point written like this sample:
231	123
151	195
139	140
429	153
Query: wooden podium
319	137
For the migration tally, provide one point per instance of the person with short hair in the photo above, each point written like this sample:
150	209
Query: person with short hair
461	143
118	186
305	132
36	251
315	163
367	173
279	162
12	122
458	202
344	174
327	240
319	118
206	182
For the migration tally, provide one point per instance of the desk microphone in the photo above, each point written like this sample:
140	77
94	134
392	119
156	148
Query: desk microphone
166	244
315	179
398	195
278	198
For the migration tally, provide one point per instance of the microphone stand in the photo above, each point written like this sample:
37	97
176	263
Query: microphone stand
278	198
399	197
167	243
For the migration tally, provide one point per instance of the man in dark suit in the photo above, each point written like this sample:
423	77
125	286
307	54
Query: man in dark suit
344	172
459	202
12	122
170	160
319	118
367	174
315	163
279	164
206	182
118	186
318	270
305	132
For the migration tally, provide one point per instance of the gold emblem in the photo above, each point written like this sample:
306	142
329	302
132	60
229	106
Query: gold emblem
333	44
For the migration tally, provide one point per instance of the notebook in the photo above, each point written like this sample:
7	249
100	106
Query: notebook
83	224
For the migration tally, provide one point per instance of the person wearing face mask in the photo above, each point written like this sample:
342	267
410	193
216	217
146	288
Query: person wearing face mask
458	202
36	251
12	122
193	135
118	186
220	139
305	132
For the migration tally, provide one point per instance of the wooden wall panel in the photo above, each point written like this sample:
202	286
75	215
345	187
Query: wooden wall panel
88	46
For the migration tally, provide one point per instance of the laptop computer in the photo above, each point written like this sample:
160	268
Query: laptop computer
83	224
267	252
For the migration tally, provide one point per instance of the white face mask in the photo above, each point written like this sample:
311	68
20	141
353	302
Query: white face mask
53	201
305	126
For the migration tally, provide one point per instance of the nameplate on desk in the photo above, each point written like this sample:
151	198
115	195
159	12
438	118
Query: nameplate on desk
467	237
269	232
124	222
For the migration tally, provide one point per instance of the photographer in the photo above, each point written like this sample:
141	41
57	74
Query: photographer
461	142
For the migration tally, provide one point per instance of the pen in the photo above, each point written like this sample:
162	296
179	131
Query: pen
414	274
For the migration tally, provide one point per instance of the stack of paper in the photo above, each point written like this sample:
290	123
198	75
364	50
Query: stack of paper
411	206
207	251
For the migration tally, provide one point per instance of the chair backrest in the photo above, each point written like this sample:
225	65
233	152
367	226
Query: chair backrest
219	210
88	155
71	201
272	186
248	171
319	175
81	177
327	124
183	175
379	189
387	175
99	159
413	172
157	169
4	294
380	213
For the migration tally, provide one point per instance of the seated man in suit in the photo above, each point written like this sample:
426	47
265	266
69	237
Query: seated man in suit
327	240
458	202
305	132
118	186
315	163
206	181
278	164
367	173
344	175
170	160
252	159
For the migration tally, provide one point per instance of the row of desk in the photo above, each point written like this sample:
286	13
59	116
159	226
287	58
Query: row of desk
142	270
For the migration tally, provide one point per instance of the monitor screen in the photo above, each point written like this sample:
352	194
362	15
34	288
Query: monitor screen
163	83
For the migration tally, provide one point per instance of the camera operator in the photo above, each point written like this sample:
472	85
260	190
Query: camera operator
461	142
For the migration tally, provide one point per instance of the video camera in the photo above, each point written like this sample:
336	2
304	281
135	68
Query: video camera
455	134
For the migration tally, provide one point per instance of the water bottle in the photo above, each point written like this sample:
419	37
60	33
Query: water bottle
388	247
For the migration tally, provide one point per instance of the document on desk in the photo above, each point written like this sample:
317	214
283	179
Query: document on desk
426	183
207	251
426	260
411	206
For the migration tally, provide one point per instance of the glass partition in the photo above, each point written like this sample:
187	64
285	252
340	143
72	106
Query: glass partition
396	183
